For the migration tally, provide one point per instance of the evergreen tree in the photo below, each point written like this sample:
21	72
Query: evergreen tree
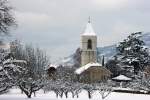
113	67
103	61
132	52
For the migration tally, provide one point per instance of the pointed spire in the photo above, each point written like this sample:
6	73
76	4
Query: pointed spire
89	29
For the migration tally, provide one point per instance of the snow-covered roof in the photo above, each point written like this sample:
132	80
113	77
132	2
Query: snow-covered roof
89	30
127	66
51	65
19	61
14	61
122	77
85	67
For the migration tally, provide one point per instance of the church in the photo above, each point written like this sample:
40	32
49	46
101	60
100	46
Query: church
90	70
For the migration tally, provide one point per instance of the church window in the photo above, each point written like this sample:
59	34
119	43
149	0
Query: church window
89	46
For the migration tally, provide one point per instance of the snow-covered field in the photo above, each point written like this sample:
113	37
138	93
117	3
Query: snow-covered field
16	95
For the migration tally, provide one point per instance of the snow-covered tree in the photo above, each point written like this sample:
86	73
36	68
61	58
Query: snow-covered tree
141	82
64	83
10	70
105	89
76	89
33	78
6	18
113	67
61	87
132	52
90	88
30	85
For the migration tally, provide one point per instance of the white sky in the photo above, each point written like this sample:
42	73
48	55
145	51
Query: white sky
56	25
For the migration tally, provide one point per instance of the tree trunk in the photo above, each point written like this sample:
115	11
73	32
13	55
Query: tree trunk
34	94
21	92
66	94
77	96
72	94
29	96
61	94
89	94
56	94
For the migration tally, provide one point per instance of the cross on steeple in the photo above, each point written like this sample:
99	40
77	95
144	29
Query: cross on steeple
89	29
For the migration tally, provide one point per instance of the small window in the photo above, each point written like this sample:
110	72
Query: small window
89	46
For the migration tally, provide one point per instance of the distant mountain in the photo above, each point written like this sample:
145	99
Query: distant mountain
146	38
67	61
109	51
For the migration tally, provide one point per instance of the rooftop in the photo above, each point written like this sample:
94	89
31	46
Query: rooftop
122	77
89	30
85	67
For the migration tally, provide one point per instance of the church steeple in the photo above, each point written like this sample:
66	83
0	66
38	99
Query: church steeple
89	31
88	45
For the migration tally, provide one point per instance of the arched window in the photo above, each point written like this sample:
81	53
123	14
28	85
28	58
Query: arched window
89	46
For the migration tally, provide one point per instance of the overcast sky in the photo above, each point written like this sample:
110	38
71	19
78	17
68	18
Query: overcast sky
56	25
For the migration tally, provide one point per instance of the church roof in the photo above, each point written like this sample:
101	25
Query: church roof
85	67
89	30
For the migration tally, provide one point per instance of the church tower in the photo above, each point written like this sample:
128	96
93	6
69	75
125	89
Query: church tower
88	45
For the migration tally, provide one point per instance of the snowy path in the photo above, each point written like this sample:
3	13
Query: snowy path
15	95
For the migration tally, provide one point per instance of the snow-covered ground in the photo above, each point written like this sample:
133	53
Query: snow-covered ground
15	94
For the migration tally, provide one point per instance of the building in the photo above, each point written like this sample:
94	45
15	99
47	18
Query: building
122	81
51	70
88	45
147	71
90	70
